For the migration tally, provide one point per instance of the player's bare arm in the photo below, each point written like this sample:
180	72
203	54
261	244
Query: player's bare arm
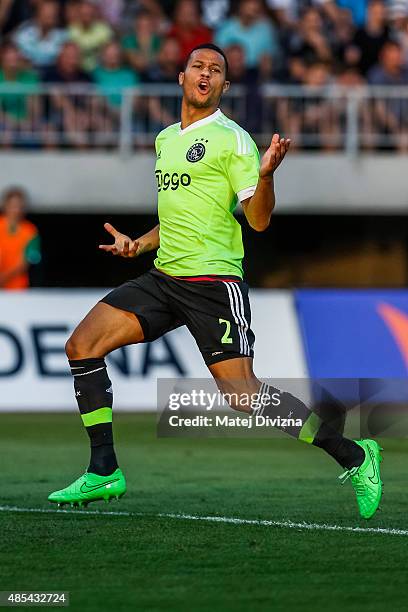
258	209
126	247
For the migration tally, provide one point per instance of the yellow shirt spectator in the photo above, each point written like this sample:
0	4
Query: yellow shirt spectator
90	40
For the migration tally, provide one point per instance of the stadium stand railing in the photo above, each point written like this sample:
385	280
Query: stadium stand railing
348	120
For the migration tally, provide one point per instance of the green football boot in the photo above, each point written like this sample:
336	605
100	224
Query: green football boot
366	479
89	488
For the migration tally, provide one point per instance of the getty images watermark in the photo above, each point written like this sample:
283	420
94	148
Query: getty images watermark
355	407
211	402
197	407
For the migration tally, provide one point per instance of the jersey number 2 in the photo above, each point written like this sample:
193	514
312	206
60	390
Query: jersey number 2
226	339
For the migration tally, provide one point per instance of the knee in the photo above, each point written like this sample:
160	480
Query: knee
77	347
72	348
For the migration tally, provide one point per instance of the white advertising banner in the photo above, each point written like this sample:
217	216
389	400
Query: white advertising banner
35	325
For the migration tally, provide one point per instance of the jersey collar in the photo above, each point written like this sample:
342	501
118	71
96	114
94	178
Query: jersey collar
200	122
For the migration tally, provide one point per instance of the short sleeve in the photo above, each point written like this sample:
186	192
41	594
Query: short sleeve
242	167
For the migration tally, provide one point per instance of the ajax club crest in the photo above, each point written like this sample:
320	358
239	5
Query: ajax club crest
195	152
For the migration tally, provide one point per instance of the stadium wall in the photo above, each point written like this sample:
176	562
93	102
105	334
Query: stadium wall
309	333
97	182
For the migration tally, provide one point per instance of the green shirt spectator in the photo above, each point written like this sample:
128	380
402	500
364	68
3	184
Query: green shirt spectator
111	76
142	45
16	85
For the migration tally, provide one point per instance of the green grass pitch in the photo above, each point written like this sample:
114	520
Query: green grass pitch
147	562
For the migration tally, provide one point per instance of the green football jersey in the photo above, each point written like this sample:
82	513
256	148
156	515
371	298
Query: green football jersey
202	171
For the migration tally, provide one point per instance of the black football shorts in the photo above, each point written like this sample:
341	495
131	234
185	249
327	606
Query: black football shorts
215	310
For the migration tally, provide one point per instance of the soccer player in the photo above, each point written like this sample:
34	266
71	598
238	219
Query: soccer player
205	165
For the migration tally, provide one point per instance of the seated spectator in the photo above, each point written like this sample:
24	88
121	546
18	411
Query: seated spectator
112	76
251	30
40	40
90	34
19	111
391	114
164	111
313	117
344	53
370	39
19	241
167	66
390	69
249	114
142	44
188	28
214	11
68	67
68	111
71	12
159	10
398	13
309	40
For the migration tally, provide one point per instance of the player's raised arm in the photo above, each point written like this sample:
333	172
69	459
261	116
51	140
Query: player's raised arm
259	207
126	247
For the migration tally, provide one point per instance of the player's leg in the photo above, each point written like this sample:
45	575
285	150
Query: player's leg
134	312
219	317
103	330
237	377
360	459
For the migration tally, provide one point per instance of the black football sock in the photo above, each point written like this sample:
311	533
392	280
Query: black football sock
93	391
313	429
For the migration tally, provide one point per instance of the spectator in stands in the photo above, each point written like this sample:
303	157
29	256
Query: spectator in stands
90	33
163	112
19	241
167	66
188	28
142	44
158	10
214	12
40	40
251	30
71	12
391	69
370	38
341	39
309	40
249	114
391	114
68	112
313	117
399	23
112	76
19	112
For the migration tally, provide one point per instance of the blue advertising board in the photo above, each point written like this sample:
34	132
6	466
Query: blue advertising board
354	334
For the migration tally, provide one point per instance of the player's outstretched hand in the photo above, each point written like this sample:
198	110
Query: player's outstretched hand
123	245
274	155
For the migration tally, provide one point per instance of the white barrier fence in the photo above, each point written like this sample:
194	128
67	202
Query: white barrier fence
34	326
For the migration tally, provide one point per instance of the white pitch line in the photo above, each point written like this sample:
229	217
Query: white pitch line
62	511
218	519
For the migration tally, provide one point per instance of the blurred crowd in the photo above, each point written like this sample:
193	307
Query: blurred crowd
110	45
